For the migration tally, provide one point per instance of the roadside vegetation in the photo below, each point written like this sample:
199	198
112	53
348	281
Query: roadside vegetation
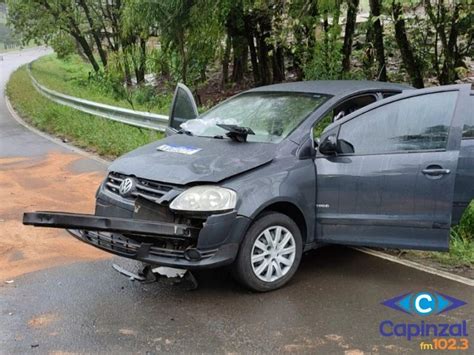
132	54
73	76
104	137
461	252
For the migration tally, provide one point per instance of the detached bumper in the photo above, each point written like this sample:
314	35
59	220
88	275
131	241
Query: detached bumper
154	242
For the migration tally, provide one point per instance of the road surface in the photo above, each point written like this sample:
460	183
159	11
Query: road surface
66	298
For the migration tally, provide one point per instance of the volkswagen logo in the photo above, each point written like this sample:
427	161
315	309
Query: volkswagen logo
127	186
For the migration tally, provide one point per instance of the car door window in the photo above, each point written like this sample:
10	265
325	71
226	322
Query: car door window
411	124
468	130
341	110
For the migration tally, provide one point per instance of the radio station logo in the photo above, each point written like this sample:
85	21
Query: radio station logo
421	305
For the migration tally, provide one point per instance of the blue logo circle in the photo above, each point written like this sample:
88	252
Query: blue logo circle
424	304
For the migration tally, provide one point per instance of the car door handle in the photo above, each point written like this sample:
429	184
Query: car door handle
436	171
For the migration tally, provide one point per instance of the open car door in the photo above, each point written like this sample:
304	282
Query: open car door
389	180
183	108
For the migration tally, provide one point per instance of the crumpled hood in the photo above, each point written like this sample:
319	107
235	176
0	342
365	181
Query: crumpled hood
182	159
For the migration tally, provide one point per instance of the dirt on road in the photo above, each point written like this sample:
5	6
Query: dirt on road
42	183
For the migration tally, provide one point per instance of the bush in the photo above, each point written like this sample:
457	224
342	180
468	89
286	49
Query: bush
63	45
465	229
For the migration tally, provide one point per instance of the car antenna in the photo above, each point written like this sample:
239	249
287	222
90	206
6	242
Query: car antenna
236	133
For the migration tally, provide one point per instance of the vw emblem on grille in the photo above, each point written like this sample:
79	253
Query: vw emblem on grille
127	186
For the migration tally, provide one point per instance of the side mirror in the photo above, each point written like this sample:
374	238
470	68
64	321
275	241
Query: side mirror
329	145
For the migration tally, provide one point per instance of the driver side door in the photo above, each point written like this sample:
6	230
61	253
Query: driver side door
390	182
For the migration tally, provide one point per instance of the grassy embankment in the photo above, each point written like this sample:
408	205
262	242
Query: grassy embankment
106	138
111	139
75	77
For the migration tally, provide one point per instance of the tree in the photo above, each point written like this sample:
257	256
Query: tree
450	20
375	16
351	18
412	65
42	19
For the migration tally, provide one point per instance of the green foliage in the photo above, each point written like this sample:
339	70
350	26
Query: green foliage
465	229
183	40
63	45
107	138
326	62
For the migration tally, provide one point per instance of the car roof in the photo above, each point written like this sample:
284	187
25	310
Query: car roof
332	87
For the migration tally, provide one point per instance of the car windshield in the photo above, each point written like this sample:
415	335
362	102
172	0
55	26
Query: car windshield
271	116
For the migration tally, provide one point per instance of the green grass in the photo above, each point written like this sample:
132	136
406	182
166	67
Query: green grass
107	138
461	248
73	76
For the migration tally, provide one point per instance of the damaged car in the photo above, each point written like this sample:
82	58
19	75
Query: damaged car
278	170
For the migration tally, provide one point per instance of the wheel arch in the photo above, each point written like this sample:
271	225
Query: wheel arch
289	209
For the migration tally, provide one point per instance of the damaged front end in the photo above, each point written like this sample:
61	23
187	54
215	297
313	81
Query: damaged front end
141	226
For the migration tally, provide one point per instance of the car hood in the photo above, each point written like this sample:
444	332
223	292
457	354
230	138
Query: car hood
182	159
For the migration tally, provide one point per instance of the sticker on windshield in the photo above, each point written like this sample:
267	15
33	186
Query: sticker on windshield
178	149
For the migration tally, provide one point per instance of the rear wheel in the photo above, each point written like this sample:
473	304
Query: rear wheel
270	253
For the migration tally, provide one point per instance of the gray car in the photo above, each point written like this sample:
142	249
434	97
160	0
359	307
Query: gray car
278	170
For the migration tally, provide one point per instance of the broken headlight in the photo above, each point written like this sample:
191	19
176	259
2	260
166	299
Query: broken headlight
205	199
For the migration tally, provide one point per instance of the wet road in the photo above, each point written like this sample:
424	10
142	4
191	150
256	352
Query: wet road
67	298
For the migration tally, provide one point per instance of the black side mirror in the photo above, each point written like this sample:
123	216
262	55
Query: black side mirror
329	145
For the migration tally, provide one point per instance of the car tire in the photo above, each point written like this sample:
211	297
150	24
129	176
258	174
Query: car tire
264	263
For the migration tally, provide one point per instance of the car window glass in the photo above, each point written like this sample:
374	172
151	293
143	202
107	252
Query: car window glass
342	110
468	130
322	124
272	116
415	123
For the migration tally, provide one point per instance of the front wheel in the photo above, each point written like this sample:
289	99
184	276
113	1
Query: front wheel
270	253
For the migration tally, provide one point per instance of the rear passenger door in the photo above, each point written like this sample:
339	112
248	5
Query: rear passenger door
391	182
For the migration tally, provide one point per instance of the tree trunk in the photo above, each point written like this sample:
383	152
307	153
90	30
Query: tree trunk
142	62
126	69
411	64
448	73
238	45
250	31
87	50
236	31
375	11
75	31
351	18
262	50
225	62
278	65
94	32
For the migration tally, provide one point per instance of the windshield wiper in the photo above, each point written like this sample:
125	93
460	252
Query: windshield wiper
235	132
186	132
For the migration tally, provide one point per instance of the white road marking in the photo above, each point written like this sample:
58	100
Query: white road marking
415	265
51	138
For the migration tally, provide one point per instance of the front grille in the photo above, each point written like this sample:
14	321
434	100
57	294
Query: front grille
121	244
151	190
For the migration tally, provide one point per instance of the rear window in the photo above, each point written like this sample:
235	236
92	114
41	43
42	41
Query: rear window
468	130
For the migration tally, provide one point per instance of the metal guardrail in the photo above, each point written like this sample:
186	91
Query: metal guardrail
135	118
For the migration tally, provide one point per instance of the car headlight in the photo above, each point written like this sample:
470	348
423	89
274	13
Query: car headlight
204	199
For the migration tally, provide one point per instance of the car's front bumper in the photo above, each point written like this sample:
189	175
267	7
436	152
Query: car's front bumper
214	244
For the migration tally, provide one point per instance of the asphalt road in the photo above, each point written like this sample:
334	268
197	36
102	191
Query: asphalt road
66	298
